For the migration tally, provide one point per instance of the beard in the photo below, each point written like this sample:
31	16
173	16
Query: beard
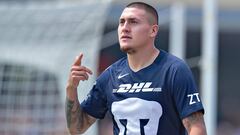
128	50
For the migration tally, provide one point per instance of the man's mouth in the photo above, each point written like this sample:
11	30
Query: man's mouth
126	37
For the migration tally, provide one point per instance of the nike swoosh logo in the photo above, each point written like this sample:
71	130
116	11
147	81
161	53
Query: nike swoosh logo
121	76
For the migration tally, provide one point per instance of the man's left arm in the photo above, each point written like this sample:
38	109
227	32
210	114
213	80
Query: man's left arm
194	123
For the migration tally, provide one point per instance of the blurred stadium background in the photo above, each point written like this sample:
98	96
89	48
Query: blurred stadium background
39	40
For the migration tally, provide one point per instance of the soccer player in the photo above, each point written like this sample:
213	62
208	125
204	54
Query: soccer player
149	92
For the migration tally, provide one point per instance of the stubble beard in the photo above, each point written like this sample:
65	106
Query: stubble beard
127	50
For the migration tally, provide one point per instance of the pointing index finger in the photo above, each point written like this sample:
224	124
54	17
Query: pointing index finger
78	60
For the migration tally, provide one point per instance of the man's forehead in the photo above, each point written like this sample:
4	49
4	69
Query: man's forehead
133	12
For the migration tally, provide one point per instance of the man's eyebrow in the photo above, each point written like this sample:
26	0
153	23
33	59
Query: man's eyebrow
133	19
129	18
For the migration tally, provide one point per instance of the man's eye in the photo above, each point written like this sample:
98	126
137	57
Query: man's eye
121	21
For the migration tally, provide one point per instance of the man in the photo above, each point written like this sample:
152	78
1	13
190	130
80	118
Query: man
149	92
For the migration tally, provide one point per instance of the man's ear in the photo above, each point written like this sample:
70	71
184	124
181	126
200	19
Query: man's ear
154	30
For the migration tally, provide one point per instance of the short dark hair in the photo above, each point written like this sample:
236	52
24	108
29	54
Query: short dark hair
148	8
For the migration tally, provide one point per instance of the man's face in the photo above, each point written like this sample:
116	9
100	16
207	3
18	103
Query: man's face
134	29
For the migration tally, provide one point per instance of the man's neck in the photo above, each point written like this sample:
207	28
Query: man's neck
142	59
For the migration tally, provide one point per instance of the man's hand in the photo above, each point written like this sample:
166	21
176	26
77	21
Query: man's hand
78	73
78	121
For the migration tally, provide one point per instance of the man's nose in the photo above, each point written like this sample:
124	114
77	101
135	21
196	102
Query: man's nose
125	27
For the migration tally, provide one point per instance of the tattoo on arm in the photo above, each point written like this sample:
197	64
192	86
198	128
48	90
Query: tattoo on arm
195	120
77	120
68	109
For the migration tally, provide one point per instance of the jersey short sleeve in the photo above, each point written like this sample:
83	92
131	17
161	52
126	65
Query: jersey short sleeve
184	90
96	103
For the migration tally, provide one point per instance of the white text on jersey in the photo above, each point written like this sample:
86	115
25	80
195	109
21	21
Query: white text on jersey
136	87
193	97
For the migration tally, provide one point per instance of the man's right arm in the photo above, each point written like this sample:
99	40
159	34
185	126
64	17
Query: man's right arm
78	121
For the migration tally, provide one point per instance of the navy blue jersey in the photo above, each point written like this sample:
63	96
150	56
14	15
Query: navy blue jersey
151	101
